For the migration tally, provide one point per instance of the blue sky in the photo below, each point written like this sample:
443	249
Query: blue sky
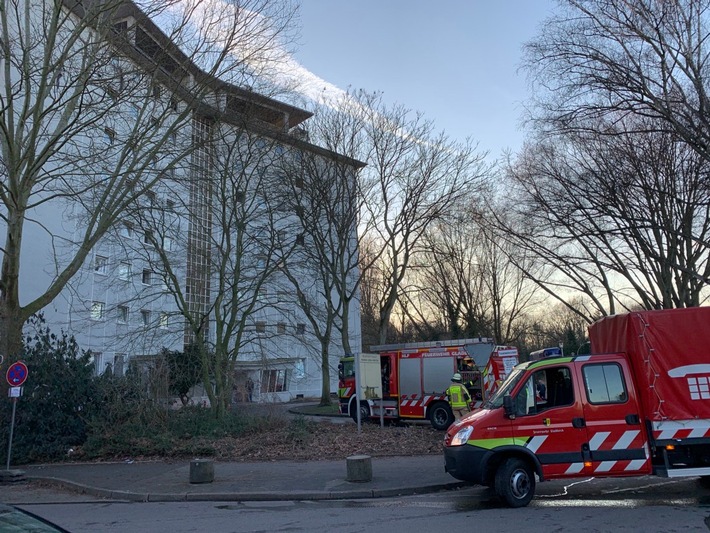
456	61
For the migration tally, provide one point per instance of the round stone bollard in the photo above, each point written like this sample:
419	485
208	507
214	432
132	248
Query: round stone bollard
201	471
359	468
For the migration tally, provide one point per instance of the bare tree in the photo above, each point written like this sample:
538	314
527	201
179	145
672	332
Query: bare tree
324	191
371	286
232	236
476	280
449	275
94	96
420	175
621	219
505	271
613	58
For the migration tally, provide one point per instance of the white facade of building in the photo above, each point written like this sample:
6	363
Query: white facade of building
121	305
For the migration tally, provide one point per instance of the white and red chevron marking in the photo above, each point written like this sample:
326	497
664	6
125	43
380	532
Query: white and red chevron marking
628	439
415	401
681	429
534	443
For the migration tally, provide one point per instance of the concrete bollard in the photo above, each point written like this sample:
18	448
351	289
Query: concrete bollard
201	471
359	468
12	476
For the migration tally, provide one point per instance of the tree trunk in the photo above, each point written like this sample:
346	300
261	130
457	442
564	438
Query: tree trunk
325	369
11	316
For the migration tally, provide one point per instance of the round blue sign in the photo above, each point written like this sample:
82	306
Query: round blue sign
17	374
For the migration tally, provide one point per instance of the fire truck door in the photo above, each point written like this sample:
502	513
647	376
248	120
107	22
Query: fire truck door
616	438
547	423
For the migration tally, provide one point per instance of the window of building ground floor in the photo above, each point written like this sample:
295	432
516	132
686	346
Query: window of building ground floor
275	380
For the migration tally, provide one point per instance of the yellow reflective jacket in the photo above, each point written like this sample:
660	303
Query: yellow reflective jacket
458	396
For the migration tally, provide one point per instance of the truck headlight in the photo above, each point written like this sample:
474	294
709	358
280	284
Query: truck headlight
462	436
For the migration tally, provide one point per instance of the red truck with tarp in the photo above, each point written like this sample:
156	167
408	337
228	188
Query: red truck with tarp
409	380
639	405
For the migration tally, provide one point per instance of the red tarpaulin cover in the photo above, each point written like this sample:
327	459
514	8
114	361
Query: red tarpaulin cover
669	351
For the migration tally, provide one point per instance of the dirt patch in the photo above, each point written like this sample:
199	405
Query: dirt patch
313	441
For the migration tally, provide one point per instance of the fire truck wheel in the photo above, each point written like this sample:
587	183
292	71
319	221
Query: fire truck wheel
441	416
364	412
515	482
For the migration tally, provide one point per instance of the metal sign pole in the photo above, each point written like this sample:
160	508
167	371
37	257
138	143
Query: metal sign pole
12	430
16	376
382	411
357	391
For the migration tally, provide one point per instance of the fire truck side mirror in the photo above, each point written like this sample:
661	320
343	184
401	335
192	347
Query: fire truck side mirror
508	407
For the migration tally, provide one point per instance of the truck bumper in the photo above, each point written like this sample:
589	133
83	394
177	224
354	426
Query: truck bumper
466	462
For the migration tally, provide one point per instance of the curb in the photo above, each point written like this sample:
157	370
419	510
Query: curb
248	496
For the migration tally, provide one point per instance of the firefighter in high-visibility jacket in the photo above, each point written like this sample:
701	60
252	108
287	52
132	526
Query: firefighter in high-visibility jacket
459	398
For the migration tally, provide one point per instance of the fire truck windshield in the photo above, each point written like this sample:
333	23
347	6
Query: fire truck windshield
346	368
506	387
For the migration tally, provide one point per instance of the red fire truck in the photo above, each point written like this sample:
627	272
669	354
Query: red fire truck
410	380
640	405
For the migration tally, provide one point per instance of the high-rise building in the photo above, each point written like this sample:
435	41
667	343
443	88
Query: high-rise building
216	235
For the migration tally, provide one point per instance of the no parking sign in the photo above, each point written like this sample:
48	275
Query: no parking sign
17	374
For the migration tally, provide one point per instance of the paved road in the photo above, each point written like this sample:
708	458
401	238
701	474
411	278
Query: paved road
636	504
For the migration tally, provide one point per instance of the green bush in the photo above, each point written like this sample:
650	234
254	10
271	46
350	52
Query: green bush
58	398
68	412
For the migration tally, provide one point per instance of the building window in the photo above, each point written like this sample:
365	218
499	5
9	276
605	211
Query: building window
173	104
299	369
120	27
274	380
147	236
127	229
145	317
100	264
97	310
261	327
298	183
260	261
122	314
119	363
147	276
300	329
164	321
300	239
124	271
167	243
281	328
98	362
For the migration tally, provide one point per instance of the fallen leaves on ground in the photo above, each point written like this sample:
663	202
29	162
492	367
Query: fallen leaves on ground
312	441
